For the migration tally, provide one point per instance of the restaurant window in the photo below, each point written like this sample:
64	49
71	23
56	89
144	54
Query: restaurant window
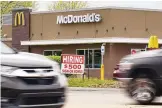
92	57
52	52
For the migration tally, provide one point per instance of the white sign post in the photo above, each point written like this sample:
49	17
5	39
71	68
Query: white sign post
102	49
102	64
72	64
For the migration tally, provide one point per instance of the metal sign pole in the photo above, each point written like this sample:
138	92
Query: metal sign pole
83	76
102	69
102	63
102	59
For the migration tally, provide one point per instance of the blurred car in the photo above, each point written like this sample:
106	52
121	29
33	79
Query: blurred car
142	74
30	80
116	71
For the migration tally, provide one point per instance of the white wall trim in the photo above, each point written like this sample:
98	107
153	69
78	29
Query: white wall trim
89	41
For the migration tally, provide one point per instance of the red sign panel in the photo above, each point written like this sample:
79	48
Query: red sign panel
134	51
72	64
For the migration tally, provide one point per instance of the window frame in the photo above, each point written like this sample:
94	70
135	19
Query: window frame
52	50
92	56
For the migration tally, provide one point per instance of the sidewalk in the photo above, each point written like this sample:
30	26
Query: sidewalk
93	89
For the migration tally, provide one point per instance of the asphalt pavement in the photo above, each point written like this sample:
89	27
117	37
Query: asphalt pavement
103	98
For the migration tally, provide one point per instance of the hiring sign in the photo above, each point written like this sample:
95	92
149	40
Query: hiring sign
72	64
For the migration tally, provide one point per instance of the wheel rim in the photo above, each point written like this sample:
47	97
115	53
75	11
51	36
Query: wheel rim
142	90
142	95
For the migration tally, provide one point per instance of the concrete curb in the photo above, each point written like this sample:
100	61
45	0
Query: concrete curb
94	89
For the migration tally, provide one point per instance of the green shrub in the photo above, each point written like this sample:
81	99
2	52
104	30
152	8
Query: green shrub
55	58
92	82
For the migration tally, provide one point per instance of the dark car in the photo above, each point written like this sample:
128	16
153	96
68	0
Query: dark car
30	80
142	74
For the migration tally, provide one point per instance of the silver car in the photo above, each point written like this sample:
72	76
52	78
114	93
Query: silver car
30	80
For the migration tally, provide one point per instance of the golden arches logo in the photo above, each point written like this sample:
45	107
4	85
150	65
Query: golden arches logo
19	19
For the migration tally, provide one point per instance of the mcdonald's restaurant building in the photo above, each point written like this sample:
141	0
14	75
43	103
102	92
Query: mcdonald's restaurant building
83	32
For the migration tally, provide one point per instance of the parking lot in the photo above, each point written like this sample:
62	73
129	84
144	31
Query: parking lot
104	99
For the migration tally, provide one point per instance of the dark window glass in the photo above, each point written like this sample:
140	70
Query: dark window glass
88	57
80	52
97	58
57	53
92	57
47	53
50	53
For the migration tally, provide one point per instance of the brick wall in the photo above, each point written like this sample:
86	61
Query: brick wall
20	32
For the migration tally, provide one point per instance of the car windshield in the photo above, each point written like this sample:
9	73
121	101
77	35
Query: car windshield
5	49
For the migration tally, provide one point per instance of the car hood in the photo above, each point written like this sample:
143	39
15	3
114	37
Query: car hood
142	54
23	59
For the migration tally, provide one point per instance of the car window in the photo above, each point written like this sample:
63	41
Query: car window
5	49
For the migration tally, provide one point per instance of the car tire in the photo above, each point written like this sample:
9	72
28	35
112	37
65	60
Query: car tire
142	90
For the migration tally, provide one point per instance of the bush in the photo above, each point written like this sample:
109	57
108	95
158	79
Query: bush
92	82
55	58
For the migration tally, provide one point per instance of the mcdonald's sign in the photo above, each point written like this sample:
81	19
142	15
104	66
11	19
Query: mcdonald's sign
19	19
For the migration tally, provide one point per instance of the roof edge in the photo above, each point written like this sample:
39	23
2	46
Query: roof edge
99	8
6	39
93	8
89	41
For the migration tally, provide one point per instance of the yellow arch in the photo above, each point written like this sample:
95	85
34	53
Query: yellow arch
19	16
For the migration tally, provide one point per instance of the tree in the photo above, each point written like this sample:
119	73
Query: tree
7	6
67	5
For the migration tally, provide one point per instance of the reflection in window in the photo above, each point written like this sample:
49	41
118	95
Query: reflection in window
97	58
47	53
57	53
80	52
92	57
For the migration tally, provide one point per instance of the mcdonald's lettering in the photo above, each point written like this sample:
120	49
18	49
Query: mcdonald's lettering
19	19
